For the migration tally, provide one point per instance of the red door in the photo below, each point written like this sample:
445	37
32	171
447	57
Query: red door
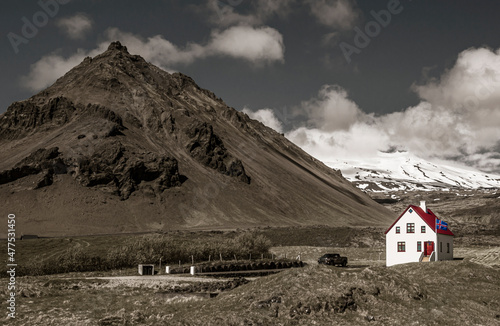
428	248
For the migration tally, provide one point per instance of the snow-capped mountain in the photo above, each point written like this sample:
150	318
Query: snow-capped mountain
405	171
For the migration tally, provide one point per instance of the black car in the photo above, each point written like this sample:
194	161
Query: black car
332	259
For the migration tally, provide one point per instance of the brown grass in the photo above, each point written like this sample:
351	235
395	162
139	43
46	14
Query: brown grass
457	292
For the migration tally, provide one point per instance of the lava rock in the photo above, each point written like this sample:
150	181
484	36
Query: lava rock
206	147
113	166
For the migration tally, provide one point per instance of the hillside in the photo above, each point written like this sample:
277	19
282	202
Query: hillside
118	145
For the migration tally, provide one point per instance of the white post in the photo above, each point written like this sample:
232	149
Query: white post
167	270
191	271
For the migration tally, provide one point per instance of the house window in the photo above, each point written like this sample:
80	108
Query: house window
410	227
422	229
440	247
401	246
419	246
398	229
448	248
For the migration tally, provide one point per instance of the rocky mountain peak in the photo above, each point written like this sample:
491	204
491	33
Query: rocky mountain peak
117	46
117	138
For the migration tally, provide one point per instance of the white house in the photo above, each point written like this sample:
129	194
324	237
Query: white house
418	236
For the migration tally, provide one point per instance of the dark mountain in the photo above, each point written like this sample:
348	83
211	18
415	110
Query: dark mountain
119	145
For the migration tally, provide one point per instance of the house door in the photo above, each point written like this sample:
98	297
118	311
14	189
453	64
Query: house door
428	248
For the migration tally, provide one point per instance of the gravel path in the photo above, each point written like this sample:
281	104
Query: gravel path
156	278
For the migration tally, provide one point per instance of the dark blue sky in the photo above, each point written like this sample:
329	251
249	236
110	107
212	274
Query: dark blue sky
426	34
423	77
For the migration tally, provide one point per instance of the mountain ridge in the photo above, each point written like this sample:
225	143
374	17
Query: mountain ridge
403	171
119	145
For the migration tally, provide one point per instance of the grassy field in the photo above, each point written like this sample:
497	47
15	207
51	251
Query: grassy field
460	292
43	249
103	253
309	243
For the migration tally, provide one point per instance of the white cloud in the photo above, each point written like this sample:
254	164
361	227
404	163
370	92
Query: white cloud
267	117
467	100
52	66
257	45
336	127
361	140
331	109
76	26
458	118
156	49
339	14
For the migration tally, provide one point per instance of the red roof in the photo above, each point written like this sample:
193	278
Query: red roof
429	218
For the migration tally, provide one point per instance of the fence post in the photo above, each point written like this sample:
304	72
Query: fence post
179	263
209	258
220	257
250	256
192	259
235	257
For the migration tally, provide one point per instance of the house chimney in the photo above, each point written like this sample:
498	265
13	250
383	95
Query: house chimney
422	206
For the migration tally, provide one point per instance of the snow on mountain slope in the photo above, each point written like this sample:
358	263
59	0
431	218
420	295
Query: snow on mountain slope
404	171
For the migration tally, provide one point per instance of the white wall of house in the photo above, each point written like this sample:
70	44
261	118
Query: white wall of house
444	247
410	240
